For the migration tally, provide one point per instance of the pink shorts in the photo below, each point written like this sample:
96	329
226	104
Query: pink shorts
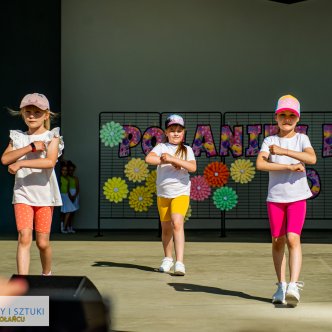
26	215
286	217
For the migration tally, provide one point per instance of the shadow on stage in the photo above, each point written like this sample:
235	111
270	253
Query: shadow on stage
182	287
125	265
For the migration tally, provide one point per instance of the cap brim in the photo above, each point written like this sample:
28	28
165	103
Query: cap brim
175	124
287	109
42	107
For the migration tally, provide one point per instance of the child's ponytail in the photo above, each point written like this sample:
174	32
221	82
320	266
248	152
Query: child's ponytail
52	116
181	151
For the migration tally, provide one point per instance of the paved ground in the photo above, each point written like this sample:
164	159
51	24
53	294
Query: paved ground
228	285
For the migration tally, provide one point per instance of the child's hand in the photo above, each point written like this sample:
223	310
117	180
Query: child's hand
72	197
13	168
166	158
297	167
40	145
275	149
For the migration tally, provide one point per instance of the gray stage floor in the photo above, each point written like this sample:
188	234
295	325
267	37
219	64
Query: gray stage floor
228	285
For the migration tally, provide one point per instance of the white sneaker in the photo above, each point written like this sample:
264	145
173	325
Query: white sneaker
179	269
71	230
293	293
64	231
279	296
166	264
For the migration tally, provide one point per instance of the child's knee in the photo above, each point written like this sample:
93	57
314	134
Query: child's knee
177	224
293	240
167	227
279	243
25	238
43	244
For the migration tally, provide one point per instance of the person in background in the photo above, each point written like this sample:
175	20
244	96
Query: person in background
67	205
74	190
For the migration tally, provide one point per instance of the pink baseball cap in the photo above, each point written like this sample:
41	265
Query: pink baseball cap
36	99
288	103
174	119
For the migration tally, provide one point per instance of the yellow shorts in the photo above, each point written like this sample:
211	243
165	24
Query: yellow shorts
168	206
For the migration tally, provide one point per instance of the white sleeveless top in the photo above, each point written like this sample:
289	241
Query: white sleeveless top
35	186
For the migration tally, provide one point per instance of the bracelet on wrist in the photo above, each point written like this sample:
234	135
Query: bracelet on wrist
33	147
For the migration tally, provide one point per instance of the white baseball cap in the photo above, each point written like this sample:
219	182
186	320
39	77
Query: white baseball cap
174	119
36	99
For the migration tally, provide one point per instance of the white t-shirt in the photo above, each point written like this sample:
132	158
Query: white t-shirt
35	186
287	186
172	182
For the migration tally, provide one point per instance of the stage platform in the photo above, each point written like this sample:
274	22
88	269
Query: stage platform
228	285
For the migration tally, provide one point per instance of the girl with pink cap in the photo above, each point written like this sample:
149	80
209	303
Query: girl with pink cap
284	156
31	157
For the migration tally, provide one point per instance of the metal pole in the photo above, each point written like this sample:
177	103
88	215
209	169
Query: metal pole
223	224
98	221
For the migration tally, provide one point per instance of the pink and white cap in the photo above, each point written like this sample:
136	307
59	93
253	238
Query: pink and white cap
288	103
36	99
174	119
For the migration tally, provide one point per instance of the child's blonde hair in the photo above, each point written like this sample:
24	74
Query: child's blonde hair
181	151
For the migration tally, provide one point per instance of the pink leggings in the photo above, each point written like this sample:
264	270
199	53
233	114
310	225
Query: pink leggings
286	217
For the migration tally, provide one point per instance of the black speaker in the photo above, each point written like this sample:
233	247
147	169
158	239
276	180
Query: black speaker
75	304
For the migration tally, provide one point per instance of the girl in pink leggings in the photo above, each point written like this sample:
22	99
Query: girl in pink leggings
284	156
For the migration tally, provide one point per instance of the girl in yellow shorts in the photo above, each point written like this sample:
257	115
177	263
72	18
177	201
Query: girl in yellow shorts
174	161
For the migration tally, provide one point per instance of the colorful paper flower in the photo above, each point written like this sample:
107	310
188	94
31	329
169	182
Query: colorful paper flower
112	133
140	199
216	174
136	170
151	181
200	189
225	198
115	189
188	214
242	170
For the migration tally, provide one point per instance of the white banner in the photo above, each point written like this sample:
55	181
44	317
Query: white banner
24	310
